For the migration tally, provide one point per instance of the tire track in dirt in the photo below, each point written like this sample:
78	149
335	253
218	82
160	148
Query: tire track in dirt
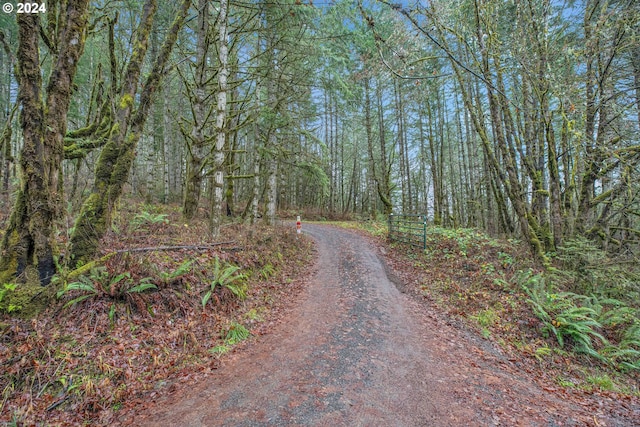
357	352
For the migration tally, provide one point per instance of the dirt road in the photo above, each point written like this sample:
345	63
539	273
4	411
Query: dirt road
357	352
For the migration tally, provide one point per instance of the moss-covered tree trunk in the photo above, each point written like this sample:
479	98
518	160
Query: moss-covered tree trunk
29	240
116	158
5	152
198	142
373	177
96	210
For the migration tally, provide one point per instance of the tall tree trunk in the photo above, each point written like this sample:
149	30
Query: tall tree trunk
272	188
435	170
255	198
401	148
424	206
221	118
197	140
384	181
372	176
6	155
166	137
272	149
29	239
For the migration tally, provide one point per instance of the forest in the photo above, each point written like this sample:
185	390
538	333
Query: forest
520	119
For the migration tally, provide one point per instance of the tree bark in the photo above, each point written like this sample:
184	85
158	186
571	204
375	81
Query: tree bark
29	240
221	117
384	181
197	139
372	176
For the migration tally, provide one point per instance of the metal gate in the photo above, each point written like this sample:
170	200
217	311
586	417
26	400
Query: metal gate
409	228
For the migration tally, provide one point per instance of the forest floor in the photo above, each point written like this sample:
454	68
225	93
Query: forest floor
361	345
110	339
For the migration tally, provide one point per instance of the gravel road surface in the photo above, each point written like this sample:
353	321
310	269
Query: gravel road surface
356	351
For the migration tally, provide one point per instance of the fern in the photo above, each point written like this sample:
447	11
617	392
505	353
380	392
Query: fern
182	269
144	285
267	271
627	353
564	315
580	325
85	285
236	333
98	283
225	277
146	218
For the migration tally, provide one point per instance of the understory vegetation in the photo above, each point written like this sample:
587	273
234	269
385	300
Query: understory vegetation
162	304
577	322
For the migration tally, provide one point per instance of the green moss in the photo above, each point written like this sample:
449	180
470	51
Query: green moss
9	262
114	129
86	268
89	224
126	101
28	299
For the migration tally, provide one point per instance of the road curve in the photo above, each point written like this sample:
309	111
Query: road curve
356	352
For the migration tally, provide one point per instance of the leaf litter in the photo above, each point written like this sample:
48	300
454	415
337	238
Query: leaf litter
84	363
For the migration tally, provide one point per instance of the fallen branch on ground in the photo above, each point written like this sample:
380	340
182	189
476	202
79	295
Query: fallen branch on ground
174	248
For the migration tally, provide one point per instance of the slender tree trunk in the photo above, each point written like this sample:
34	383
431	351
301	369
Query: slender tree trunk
221	118
424	207
255	199
166	138
401	147
6	156
435	170
372	175
384	181
272	189
197	139
635	62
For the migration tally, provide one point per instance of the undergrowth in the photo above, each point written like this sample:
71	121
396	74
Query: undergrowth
119	330
584	312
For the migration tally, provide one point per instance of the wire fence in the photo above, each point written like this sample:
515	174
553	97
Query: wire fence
408	228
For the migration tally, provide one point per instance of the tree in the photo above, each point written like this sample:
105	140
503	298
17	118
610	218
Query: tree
197	140
221	118
29	241
116	158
